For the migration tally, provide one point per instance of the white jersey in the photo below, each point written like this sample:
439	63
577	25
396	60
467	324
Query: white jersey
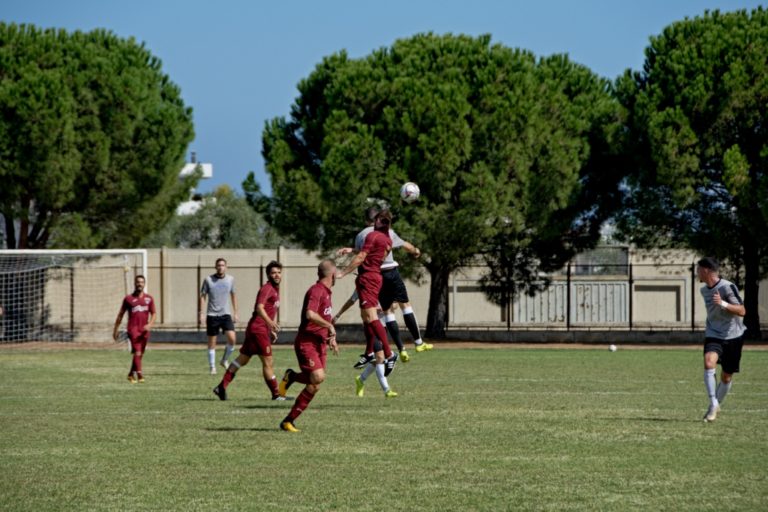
721	324
389	261
218	289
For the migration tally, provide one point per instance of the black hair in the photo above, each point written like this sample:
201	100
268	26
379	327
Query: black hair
710	263
273	264
220	259
371	213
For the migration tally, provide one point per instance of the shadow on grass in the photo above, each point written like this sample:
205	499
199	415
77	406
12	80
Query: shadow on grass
655	419
239	429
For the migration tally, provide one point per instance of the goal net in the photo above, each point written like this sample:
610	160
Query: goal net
52	295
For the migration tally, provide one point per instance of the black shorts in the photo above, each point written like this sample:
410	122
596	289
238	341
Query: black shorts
216	324
392	289
728	352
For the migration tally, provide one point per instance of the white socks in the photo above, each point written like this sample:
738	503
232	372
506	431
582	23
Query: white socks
382	379
710	383
367	371
212	357
722	390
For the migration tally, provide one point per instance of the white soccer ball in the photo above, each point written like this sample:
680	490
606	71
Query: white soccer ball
612	348
409	192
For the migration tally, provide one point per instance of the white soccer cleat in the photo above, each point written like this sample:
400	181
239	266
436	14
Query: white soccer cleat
711	413
213	370
224	363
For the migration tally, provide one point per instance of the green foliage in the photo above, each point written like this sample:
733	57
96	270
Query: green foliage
505	148
224	221
697	128
92	138
472	429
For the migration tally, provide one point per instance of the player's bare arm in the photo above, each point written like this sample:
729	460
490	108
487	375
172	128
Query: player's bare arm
316	319
119	320
734	309
345	307
235	316
356	262
411	249
201	308
262	313
151	324
344	251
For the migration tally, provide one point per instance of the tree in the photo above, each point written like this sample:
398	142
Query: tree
92	138
697	128
497	140
224	221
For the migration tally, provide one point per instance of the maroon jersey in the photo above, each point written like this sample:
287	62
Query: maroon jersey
317	299
376	246
138	308
269	297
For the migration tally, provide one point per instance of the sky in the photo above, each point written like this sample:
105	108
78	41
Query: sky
238	62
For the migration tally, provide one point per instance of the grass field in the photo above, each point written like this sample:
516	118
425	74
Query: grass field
473	429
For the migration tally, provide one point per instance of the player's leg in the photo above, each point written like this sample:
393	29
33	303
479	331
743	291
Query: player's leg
242	359
712	351
142	348
311	358
386	299
134	346
229	333
409	318
212	331
375	330
270	380
730	363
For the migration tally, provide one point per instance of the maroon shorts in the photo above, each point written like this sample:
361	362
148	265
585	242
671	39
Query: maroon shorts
257	343
138	341
310	351
368	286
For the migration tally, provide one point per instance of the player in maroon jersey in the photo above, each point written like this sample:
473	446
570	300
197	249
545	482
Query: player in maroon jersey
141	317
368	261
315	331
260	334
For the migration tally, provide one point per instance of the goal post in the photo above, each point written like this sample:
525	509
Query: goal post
64	295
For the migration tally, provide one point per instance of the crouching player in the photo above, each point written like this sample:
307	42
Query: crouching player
315	331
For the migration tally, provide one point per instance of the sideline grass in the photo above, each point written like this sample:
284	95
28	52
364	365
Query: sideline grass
473	429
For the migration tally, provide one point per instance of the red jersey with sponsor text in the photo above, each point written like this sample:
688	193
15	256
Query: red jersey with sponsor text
139	308
269	297
376	246
317	299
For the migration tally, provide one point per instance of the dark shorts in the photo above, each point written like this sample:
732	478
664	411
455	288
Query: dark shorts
216	324
257	343
311	352
138	342
392	289
728	352
368	286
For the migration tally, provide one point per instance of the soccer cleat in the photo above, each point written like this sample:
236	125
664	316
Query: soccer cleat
213	370
132	379
220	392
389	364
404	356
224	363
278	398
359	386
423	347
285	383
711	413
390	394
141	379
364	360
288	427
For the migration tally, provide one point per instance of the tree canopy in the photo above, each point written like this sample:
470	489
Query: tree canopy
510	152
697	129
224	220
92	138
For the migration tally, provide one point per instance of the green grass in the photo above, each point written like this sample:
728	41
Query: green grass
473	429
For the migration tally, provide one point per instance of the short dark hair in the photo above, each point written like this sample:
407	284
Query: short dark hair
140	276
384	215
218	260
273	264
710	263
371	213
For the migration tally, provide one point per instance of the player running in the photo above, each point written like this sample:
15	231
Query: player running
724	334
141	318
315	331
219	288
261	332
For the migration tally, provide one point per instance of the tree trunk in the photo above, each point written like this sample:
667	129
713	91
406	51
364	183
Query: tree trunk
437	316
751	288
10	231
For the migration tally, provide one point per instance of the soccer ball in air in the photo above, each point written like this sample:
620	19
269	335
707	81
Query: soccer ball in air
612	348
409	192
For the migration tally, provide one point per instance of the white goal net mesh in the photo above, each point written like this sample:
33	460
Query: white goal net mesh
64	295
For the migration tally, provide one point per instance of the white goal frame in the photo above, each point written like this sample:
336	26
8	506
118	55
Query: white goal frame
100	300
